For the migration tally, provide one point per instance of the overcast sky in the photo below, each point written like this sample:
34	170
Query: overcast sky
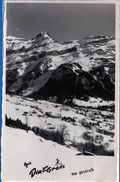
62	21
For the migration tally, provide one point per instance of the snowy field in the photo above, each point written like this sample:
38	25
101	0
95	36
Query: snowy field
21	147
87	127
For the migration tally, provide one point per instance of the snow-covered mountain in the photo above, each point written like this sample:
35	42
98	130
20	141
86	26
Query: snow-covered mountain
43	65
14	42
63	91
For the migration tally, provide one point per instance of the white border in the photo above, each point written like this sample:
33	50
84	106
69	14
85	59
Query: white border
64	1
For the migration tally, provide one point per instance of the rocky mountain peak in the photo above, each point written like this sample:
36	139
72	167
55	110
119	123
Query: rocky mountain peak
43	38
44	35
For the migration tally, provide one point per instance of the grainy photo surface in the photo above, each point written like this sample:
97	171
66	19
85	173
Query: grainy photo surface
60	87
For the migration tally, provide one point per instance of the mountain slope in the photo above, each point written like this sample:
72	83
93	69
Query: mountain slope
40	67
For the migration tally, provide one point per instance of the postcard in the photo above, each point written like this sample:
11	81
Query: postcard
60	89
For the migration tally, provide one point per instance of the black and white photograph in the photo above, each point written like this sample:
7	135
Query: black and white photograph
59	89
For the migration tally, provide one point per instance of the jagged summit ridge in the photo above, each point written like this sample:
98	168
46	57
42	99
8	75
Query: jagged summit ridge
43	34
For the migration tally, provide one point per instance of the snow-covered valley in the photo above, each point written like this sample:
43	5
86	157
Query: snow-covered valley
87	130
84	128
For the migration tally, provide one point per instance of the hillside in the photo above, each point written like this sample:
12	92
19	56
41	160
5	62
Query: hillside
88	126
